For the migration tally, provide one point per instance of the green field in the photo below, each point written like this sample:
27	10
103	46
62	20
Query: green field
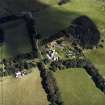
16	39
97	57
24	91
55	18
77	88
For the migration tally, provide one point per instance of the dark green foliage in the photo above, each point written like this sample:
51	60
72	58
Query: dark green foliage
1	36
85	31
50	86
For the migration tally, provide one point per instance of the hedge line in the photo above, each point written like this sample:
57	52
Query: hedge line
30	27
96	76
50	86
82	63
11	66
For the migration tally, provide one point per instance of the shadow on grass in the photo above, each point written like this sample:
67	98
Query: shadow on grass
16	39
15	6
85	31
49	20
52	20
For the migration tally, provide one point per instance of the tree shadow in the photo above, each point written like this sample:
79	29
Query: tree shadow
15	6
52	20
16	38
49	20
85	31
1	36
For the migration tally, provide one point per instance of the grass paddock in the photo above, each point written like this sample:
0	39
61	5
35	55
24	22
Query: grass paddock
77	88
24	91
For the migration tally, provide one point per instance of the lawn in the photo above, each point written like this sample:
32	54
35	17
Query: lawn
77	88
24	91
16	39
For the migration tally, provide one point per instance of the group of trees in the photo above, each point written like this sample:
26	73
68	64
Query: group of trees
11	66
62	2
30	23
50	86
53	37
56	65
1	36
74	63
81	63
15	63
61	64
85	31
